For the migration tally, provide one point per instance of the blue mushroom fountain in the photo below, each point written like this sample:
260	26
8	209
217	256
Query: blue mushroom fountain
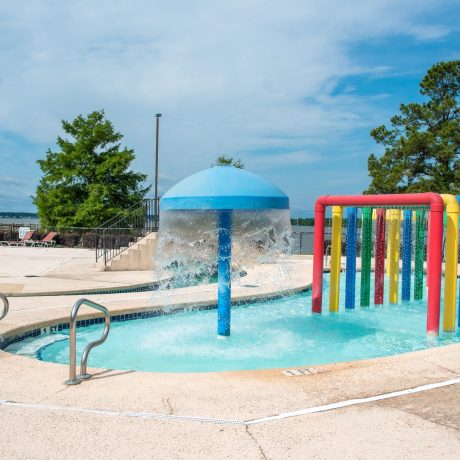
210	212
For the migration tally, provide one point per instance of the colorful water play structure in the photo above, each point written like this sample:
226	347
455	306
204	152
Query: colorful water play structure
426	210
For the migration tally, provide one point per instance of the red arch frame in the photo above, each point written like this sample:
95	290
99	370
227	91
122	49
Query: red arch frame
434	264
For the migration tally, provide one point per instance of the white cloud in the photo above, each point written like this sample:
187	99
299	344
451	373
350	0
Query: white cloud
229	76
282	160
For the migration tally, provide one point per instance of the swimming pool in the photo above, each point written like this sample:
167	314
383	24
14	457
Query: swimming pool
279	333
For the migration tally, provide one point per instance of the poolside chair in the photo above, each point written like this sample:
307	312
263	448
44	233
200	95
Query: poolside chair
47	241
22	242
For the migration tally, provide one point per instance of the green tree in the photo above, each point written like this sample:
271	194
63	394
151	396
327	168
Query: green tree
422	147
89	179
229	161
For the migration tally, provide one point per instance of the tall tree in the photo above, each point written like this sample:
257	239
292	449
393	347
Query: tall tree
229	161
89	179
422	147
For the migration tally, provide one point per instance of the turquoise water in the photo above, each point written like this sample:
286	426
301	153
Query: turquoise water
272	334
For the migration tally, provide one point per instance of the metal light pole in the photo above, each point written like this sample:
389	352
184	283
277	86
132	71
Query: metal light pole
157	116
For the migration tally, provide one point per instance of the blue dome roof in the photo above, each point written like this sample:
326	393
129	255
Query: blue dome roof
224	187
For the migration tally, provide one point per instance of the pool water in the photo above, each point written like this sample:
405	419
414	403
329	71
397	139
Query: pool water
278	333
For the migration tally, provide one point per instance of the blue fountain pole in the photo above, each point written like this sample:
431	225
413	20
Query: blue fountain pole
406	255
224	268
350	274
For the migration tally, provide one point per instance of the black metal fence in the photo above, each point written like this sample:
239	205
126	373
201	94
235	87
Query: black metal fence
302	241
121	232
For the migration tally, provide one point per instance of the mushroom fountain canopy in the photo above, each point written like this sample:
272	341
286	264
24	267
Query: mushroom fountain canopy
224	187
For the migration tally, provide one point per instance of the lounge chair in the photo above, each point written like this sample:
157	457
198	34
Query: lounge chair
47	241
22	242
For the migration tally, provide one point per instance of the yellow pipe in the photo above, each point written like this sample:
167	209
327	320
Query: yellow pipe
395	222
336	254
451	254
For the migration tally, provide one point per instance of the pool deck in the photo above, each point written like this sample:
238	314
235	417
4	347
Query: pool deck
41	271
115	413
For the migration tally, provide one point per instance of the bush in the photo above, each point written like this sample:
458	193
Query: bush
88	240
69	240
9	235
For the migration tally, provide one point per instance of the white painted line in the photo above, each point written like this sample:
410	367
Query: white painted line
219	421
352	402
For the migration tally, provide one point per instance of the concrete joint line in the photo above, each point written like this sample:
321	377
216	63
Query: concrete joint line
58	265
218	421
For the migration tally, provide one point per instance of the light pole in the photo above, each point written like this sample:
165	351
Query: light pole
157	207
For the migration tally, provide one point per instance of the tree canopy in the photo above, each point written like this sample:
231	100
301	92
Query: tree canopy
422	146
229	161
89	179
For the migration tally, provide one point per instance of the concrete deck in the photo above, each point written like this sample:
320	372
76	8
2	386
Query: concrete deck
105	416
41	271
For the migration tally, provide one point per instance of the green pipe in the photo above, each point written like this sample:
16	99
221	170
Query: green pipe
366	254
419	254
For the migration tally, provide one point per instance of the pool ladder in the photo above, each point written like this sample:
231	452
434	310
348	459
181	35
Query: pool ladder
6	306
327	252
75	379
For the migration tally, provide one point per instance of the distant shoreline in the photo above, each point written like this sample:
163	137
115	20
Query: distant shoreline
18	215
19	218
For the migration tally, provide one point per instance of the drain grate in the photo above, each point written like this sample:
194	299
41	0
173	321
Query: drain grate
149	415
305	371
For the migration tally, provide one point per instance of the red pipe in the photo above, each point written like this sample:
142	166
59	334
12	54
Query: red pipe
428	252
434	270
379	269
318	251
435	238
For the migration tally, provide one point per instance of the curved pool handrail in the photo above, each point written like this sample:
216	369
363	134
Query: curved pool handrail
73	378
6	306
327	252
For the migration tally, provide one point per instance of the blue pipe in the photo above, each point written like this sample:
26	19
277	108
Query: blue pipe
224	269
350	279
407	255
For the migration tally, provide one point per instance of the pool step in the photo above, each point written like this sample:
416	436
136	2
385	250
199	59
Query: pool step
138	256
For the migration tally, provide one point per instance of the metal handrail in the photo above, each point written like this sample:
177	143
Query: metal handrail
118	234
73	378
112	220
6	306
328	250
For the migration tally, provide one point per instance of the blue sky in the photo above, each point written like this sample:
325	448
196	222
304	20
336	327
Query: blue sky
292	89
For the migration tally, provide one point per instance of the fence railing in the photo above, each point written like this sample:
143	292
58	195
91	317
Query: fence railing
118	234
302	241
12	229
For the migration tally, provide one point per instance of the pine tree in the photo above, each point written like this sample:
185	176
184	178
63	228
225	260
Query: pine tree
89	179
422	147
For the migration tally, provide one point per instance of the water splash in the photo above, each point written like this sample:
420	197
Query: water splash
187	247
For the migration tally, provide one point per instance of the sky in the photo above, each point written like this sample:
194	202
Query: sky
290	88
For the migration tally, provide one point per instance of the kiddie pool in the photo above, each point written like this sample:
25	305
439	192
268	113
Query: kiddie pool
279	333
